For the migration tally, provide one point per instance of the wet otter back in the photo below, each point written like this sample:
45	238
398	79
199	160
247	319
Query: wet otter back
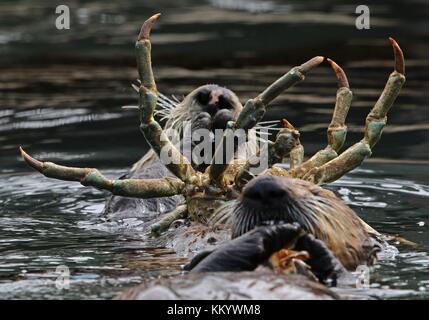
148	167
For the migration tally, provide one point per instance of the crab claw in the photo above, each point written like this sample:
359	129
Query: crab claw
399	57
147	27
36	164
310	64
339	72
52	170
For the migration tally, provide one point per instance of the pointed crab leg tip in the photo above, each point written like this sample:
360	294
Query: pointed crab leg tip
339	72
399	56
287	124
147	27
310	64
36	164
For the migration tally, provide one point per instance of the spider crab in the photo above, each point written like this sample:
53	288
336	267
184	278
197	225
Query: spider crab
207	193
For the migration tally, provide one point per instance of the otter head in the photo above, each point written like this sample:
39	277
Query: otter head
213	104
264	200
273	200
207	107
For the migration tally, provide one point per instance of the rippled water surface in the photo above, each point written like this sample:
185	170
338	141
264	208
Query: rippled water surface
61	100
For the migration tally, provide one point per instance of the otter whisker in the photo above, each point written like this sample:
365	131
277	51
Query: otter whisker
167	101
130	107
136	88
176	99
270	127
268	122
261	133
262	140
266	125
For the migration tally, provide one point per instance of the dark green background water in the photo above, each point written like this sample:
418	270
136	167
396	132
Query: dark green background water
61	93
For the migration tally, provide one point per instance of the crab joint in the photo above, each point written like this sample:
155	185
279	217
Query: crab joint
254	110
270	154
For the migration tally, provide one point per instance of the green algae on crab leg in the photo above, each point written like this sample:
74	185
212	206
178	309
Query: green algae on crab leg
375	121
162	225
337	129
254	110
136	188
151	129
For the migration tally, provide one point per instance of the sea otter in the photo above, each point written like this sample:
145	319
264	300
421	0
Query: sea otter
207	107
319	212
275	214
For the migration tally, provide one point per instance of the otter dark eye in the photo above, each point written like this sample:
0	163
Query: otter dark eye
203	97
224	103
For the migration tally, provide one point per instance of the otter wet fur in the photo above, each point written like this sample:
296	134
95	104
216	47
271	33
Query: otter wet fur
275	200
181	189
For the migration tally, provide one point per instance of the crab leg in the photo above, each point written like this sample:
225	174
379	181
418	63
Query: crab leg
136	188
270	154
254	110
337	129
179	213
375	121
296	155
150	128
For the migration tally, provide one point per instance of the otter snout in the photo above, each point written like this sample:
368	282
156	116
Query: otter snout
264	200
266	192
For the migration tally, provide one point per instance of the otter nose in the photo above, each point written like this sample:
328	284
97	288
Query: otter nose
215	97
267	192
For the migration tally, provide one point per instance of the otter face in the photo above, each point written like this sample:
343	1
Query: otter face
264	200
212	106
207	108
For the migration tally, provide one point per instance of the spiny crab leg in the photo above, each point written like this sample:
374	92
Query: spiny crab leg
151	129
179	212
337	129
137	188
296	155
271	153
253	111
375	121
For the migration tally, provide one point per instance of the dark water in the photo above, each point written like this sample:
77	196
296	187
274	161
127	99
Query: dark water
60	98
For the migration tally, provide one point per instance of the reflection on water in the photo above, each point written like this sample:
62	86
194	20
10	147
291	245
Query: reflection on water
61	100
